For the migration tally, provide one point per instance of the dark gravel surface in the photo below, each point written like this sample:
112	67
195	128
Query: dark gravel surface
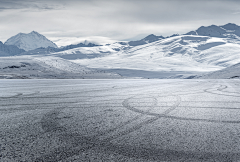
119	120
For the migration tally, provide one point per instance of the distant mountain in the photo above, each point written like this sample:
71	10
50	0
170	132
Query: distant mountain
229	30
148	39
47	50
30	41
76	46
226	31
9	50
92	52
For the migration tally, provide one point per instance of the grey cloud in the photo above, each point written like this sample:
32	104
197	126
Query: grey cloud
9	5
117	19
29	5
162	11
3	8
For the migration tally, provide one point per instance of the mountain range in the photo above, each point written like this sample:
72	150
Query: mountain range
34	40
226	31
190	55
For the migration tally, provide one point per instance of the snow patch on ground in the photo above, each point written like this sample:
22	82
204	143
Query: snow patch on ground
33	67
232	72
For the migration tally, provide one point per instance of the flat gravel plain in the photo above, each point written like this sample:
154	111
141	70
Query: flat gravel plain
119	120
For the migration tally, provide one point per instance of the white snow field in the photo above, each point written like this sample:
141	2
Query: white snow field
232	72
119	120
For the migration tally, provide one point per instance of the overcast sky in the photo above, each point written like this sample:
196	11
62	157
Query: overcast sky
70	21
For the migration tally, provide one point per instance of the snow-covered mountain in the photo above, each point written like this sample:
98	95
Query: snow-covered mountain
192	53
49	50
229	30
84	44
30	41
92	52
9	50
226	31
179	53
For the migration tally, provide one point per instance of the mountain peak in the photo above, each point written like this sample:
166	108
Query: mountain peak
214	26
151	35
152	38
148	39
30	41
34	32
231	26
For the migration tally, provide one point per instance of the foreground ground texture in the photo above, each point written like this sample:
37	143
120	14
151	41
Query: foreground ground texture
119	120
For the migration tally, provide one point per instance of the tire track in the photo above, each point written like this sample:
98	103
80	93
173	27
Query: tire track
228	91
78	143
125	103
203	120
221	88
132	129
223	108
20	94
92	91
14	96
49	121
164	114
174	106
143	113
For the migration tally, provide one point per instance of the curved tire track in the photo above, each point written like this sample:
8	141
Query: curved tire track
221	88
149	121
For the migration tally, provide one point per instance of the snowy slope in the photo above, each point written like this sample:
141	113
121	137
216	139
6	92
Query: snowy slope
91	52
30	41
232	72
33	67
179	53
